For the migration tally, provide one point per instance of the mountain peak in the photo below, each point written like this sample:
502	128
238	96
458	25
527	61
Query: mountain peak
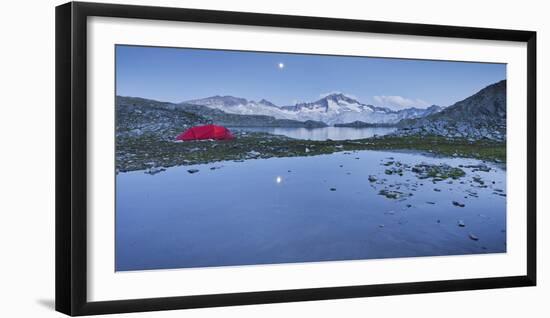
337	97
267	103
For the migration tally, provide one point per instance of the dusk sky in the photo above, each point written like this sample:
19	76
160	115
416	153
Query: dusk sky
176	75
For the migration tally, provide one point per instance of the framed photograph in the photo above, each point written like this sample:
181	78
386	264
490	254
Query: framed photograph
209	158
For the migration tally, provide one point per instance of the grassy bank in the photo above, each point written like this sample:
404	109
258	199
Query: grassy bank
146	151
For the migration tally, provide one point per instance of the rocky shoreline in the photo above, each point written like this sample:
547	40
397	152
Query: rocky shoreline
149	151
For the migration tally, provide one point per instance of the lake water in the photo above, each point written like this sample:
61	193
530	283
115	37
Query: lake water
321	208
324	133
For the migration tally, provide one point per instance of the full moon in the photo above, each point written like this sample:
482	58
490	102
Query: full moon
281	65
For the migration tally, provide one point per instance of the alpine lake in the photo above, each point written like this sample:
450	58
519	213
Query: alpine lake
349	203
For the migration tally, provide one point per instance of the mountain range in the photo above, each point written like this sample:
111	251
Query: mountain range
331	109
482	115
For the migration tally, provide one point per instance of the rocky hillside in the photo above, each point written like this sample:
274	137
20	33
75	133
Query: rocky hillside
482	115
137	116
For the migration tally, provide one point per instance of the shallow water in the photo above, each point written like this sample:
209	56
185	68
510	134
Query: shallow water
324	133
282	210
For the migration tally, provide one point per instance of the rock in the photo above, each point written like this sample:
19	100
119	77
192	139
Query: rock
391	194
473	237
372	178
455	203
193	171
437	190
380	225
480	167
461	223
394	170
437	172
216	167
478	180
253	154
332	189
471	193
154	170
430	202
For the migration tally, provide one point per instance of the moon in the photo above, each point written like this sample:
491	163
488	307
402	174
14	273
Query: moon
281	65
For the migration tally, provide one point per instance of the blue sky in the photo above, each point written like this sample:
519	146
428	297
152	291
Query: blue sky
176	75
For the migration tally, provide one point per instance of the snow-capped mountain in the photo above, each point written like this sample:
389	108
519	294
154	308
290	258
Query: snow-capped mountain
332	109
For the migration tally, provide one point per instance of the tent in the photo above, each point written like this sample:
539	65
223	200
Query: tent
205	132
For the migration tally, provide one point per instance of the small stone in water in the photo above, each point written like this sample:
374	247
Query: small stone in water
193	170
473	237
430	202
455	203
437	190
372	178
461	223
332	189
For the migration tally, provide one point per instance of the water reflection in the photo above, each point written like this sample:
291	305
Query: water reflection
334	133
330	208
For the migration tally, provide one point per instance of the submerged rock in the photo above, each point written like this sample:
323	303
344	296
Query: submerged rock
478	179
392	194
456	203
394	170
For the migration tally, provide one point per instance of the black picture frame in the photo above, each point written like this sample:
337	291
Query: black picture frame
71	157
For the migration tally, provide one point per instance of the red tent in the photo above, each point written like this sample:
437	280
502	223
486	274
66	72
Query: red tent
205	132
